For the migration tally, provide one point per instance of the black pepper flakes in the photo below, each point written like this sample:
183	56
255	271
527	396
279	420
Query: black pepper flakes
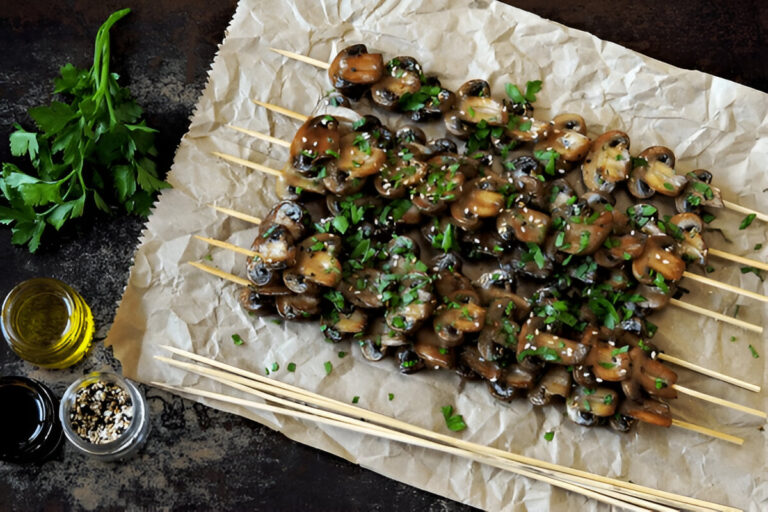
102	412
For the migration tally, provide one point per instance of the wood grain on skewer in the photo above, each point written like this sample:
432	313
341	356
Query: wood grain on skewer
738	259
725	286
302	58
746	211
237	214
399	437
281	110
247	163
220	273
710	373
262	136
267	392
719	401
228	246
707	431
716	316
386	420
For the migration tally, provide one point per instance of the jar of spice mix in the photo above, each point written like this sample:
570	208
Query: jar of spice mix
104	416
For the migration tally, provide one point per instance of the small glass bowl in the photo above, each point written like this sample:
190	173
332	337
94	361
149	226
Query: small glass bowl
129	441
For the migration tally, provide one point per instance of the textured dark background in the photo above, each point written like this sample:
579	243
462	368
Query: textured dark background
199	458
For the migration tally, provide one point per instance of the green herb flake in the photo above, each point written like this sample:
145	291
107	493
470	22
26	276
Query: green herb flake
237	339
355	399
342	354
733	338
391	396
754	352
549	436
617	351
753	270
659	383
328	367
758	247
608	400
291	367
275	367
454	422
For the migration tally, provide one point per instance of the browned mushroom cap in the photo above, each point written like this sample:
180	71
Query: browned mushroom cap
317	261
297	283
585	234
410	134
347	323
261	274
291	185
354	69
416	305
652	375
371	350
655	298
461	312
339	182
514	382
599	402
488	370
698	193
524	224
570	145
570	122
297	307
608	362
442	184
655	173
289	214
403	77
408	360
479	199
431	102
475	104
535	341
361	288
524	128
379	331
555	382
357	157
316	141
647	410
447	282
254	302
275	246
430	348
658	257
608	162
692	246
618	250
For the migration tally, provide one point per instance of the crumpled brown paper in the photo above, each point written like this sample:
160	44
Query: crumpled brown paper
709	123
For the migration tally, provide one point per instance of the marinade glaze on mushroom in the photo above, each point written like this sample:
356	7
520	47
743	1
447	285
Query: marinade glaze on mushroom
487	263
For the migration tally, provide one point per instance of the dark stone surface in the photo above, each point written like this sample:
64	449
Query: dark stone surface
199	458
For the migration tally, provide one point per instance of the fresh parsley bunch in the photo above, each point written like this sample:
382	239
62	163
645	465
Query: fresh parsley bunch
94	148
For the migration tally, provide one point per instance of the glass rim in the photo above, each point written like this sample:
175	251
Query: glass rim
125	439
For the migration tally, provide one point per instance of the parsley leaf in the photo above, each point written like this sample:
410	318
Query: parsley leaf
747	221
454	422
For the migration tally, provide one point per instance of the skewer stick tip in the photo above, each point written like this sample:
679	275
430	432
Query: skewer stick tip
302	58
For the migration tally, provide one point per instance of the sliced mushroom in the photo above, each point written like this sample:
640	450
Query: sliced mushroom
403	78
698	193
353	70
600	402
410	134
436	102
291	215
381	334
555	382
429	347
254	302
535	341
647	410
297	283
357	157
585	234
447	282
570	146
315	142
692	247
619	250
652	375
408	360
524	224
275	246
361	288
340	182
261	274
416	305
488	370
514	382
608	362
656	173
570	122
297	307
608	162
372	350
348	323
317	260
476	105
658	257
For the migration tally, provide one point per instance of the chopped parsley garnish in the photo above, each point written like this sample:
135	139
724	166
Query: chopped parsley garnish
328	367
291	367
275	367
753	270
548	436
237	339
747	221
454	422
545	353
355	399
754	352
342	354
391	396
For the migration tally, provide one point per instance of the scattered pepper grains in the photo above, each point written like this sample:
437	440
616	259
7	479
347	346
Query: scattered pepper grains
102	412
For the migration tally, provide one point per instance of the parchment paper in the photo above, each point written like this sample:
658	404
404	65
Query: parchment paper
709	123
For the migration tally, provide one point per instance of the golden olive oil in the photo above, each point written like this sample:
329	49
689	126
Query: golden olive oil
47	323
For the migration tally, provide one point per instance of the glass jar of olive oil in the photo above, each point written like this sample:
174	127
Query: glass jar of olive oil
47	323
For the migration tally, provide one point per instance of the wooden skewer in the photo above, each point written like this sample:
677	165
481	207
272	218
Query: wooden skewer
359	412
746	211
707	431
738	259
237	214
320	64
725	286
268	393
227	245
717	316
302	58
710	373
403	438
262	136
220	273
281	110
247	163
719	401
